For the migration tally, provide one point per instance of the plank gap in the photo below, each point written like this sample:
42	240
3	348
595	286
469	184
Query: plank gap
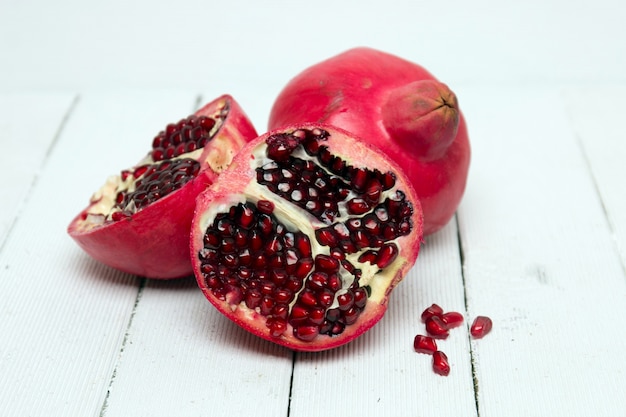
596	188
105	403
465	300
293	371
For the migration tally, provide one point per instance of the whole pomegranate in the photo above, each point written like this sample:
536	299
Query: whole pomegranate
395	105
139	221
305	235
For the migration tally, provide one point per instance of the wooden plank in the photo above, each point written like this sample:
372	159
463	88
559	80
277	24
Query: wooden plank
539	259
595	114
379	373
29	124
66	317
182	357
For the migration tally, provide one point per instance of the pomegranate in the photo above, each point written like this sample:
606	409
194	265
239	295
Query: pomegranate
305	235
396	105
139	221
452	319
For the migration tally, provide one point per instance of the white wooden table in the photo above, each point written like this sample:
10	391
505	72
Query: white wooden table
538	243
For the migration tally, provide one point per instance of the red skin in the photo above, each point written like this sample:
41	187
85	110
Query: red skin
427	139
237	177
154	242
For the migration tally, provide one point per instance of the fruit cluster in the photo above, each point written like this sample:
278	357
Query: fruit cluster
298	235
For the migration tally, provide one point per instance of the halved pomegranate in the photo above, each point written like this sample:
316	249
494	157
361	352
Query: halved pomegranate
399	107
139	221
305	235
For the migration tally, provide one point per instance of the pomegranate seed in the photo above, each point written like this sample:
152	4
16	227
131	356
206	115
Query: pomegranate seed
440	363
481	326
299	315
326	263
308	298
359	179
436	327
357	206
345	300
306	333
424	344
433	310
317	315
351	315
452	319
276	326
387	254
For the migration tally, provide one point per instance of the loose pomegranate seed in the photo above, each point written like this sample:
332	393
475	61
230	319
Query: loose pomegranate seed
452	319
436	327
440	363
433	310
481	326
424	344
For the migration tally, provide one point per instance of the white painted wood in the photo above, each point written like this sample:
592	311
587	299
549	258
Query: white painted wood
29	124
379	374
64	316
540	260
182	357
596	114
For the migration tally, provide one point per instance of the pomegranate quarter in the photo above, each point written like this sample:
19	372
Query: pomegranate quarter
305	235
139	221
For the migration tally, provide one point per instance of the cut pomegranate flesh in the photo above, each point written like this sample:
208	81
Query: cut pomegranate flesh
139	221
480	327
304	236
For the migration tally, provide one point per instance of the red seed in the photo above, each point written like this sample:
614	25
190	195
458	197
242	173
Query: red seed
433	310
306	333
265	206
424	344
481	326
436	327
387	254
276	326
452	319
440	363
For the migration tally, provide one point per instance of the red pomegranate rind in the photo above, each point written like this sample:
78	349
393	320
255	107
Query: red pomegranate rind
153	241
327	295
396	105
